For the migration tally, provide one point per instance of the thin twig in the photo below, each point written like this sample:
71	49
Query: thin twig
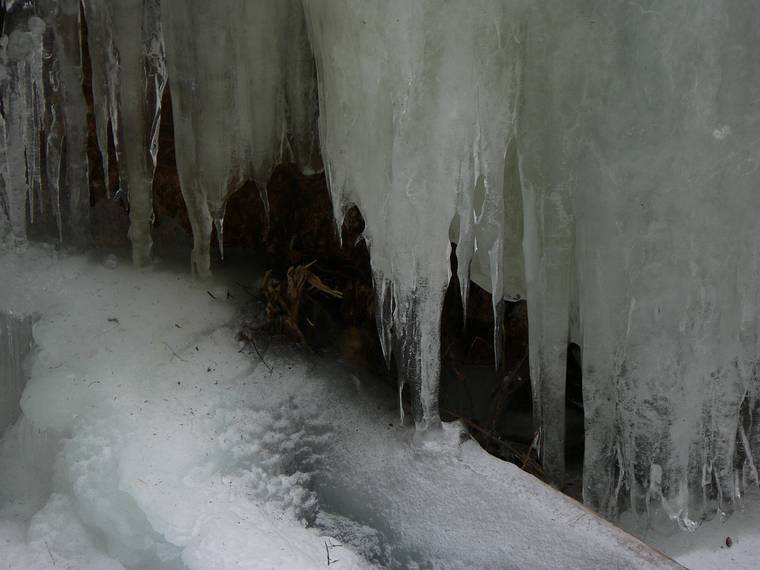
327	552
261	357
174	353
50	553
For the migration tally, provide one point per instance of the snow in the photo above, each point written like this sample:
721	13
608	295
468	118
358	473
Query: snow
708	548
150	439
151	452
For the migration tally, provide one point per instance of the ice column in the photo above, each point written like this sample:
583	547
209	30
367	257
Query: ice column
547	148
239	74
15	343
21	93
126	49
68	138
416	113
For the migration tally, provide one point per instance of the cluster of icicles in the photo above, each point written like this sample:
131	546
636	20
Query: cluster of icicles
599	158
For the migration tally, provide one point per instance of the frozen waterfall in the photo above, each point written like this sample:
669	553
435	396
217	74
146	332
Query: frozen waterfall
598	158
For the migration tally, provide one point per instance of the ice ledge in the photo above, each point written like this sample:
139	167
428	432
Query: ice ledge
457	508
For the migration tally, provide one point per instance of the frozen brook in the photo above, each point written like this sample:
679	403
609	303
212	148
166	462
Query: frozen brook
148	436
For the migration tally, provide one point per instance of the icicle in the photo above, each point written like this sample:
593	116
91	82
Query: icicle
463	235
264	195
103	64
53	145
219	226
16	186
64	16
401	385
384	315
34	104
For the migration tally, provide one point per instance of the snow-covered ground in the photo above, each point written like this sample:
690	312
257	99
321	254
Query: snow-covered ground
141	444
152	438
708	548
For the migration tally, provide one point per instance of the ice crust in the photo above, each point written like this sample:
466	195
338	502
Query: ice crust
596	158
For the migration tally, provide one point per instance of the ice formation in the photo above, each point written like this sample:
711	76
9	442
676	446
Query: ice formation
44	115
634	134
396	79
21	91
597	158
643	242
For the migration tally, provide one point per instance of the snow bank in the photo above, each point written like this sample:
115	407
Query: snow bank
139	445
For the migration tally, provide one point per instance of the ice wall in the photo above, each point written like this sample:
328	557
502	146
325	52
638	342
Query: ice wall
632	130
239	108
638	178
667	252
